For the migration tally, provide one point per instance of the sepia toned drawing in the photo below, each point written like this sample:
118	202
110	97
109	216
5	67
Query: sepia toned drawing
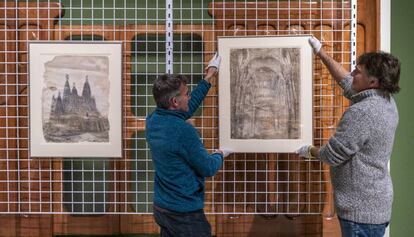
70	116
75	99
264	92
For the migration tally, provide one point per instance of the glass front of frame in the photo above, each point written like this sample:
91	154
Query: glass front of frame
265	93
75	99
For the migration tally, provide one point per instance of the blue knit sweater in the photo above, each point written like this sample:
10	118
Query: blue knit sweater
180	159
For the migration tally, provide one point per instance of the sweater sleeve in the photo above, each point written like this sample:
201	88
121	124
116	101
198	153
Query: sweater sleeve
197	97
346	85
196	155
350	136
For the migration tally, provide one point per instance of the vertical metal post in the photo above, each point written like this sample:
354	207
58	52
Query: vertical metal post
169	36
353	33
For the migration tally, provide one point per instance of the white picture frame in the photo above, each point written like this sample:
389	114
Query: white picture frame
75	101
265	93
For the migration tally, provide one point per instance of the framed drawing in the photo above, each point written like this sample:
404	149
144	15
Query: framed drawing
265	93
75	99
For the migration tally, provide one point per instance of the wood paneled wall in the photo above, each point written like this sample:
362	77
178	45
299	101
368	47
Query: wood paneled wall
19	25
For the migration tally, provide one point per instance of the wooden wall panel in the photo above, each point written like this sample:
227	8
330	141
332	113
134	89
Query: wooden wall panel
133	223
37	26
14	120
368	14
145	223
326	117
8	110
253	19
267	226
87	224
246	19
34	194
9	226
8	151
36	21
34	225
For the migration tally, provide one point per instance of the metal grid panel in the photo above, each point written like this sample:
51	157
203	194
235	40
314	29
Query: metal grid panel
247	183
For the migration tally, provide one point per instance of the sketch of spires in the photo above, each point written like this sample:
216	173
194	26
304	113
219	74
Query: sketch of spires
86	91
70	101
53	106
59	110
74	90
73	104
66	89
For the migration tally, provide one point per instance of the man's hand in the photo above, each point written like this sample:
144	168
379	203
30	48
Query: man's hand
214	62
211	71
315	44
224	151
212	67
305	152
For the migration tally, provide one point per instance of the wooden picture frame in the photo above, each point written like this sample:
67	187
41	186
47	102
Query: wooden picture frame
265	93
75	99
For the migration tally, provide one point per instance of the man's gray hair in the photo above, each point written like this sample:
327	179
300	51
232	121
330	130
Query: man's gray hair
167	86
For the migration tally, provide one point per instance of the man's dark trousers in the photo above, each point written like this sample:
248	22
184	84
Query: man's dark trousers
182	224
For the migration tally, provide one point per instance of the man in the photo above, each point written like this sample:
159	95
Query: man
361	147
180	159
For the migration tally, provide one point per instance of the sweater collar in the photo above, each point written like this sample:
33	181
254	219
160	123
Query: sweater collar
176	113
366	94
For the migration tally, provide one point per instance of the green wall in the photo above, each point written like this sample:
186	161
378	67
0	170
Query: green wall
402	161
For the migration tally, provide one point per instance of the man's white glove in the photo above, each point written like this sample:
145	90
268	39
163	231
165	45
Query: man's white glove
315	44
214	62
224	151
305	152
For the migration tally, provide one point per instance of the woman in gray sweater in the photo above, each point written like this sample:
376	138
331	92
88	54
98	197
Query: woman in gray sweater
361	147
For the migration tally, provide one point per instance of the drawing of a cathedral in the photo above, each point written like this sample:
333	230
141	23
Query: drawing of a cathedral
75	117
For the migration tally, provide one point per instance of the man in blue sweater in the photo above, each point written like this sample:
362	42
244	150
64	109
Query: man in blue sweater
180	159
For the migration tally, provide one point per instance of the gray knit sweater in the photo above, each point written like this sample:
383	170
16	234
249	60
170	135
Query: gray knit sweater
358	154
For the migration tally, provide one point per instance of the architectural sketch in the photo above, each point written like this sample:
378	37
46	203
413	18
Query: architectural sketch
264	88
265	93
69	116
75	99
74	117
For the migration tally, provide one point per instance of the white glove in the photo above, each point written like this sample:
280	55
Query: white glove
315	44
214	62
224	151
305	152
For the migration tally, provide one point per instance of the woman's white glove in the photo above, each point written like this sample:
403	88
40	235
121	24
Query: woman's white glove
224	151
214	62
305	152
315	44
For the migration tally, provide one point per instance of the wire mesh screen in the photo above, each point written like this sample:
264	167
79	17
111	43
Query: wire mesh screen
248	183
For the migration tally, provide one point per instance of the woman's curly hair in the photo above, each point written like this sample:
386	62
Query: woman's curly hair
385	67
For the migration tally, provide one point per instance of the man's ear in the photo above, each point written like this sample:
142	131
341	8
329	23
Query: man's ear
174	102
374	82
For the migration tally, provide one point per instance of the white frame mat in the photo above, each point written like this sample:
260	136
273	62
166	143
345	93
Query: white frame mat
99	66
302	102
